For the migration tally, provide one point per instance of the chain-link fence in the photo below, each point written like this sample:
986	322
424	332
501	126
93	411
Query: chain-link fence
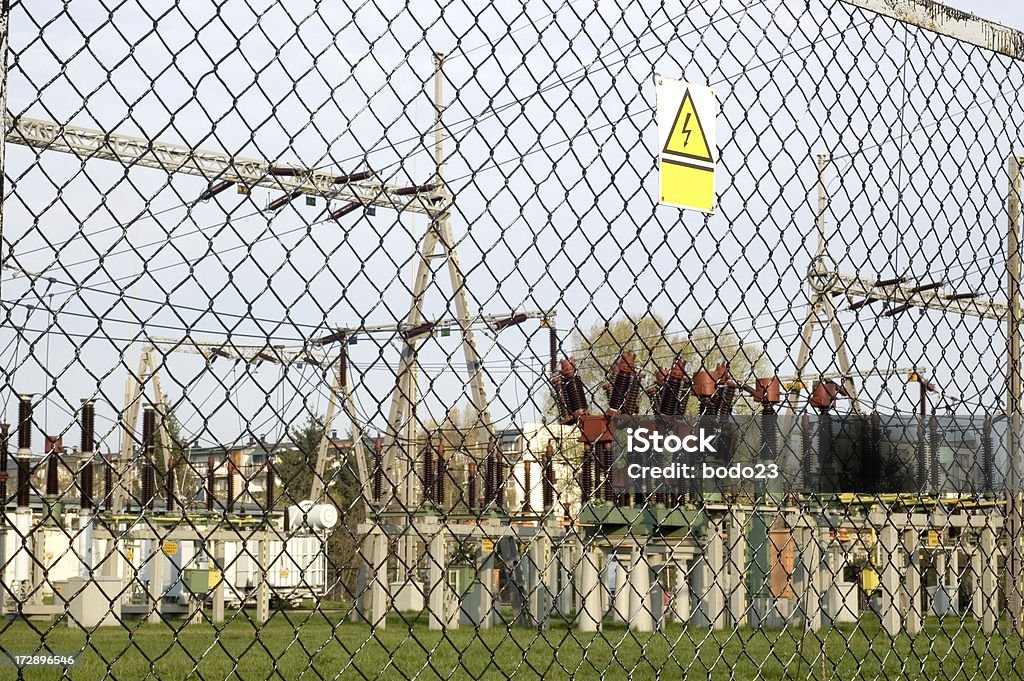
351	339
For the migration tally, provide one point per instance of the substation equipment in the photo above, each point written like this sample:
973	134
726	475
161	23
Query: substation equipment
717	556
706	557
140	547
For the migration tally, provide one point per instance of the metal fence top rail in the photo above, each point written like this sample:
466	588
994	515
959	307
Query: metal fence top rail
949	22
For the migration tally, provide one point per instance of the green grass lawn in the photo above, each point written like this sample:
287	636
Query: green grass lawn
301	645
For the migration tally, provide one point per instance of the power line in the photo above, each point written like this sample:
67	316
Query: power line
88	235
494	110
491	164
77	286
143	324
563	81
166	240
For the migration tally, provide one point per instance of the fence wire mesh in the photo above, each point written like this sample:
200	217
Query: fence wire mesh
331	333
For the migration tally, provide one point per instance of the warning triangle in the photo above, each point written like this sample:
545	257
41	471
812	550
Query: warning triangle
687	135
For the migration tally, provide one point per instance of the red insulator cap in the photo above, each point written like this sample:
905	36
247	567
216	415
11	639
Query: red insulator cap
823	396
704	384
768	390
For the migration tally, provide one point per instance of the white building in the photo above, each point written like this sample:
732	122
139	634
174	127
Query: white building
524	449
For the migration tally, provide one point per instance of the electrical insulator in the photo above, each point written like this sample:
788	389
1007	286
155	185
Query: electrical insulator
586	475
553	347
987	460
148	483
558	390
148	469
673	385
5	455
169	485
572	387
148	429
623	377
210	483
108	485
269	502
654	393
471	474
706	387
769	436
661	497
24	481
527	486
439	477
632	405
806	452
25	422
728	396
604	450
684	398
875	444
677	497
549	478
231	484
499	468
489	475
88	426
427	476
378	470
934	440
712	406
85	486
825	443
52	459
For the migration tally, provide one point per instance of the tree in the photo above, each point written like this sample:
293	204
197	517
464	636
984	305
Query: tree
455	435
295	466
294	463
186	483
455	430
655	347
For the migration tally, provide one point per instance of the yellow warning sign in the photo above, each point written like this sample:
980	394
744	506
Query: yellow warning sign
686	144
687	137
170	548
487	545
686	185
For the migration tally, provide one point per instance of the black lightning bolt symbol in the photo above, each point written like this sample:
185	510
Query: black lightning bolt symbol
686	130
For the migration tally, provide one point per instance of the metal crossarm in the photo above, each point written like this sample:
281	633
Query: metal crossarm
214	350
217	167
902	296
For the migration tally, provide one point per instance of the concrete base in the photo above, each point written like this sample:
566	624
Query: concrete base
473	611
638	588
590	615
698	588
848	609
771	613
